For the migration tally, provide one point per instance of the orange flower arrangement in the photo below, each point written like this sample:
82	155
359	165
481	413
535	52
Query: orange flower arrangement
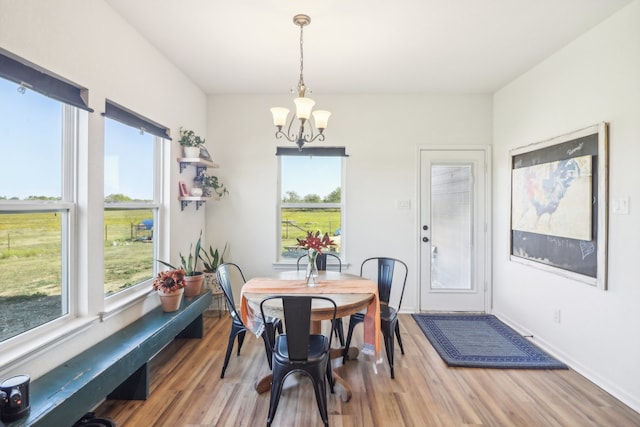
314	241
169	281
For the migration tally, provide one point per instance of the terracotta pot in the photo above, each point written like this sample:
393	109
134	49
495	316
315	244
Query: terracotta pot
193	284
171	302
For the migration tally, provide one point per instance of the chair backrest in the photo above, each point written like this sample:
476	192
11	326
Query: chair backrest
296	311
385	268
321	261
226	273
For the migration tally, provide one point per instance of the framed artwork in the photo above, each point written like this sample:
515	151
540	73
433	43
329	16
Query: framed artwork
559	199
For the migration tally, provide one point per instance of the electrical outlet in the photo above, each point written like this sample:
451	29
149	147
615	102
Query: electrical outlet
556	316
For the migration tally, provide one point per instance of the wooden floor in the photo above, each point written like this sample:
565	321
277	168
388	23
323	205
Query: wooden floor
186	390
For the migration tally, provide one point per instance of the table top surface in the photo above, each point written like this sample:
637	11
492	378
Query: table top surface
294	283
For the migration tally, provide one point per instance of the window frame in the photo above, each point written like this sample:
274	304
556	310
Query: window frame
72	118
130	295
326	152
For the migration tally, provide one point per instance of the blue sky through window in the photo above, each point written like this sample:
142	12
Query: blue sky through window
31	149
30	143
128	161
310	175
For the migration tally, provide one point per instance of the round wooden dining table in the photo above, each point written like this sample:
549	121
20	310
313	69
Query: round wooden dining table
294	283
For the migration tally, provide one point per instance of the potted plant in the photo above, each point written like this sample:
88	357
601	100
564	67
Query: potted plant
192	277
169	286
190	143
211	259
211	185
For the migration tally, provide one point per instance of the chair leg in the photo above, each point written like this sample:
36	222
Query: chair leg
232	338
240	340
339	330
276	390
388	330
388	345
353	321
398	337
330	377
268	338
320	388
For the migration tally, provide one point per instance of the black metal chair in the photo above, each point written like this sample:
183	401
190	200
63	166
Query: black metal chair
225	274
388	314
321	263
297	350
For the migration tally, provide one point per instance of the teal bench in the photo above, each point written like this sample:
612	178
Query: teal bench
116	367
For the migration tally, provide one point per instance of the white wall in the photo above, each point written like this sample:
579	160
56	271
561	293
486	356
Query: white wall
594	79
381	134
89	44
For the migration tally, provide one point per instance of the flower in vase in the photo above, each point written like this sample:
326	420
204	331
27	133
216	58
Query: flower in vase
315	242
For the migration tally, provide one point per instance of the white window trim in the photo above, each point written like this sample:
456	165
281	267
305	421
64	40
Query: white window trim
120	301
31	341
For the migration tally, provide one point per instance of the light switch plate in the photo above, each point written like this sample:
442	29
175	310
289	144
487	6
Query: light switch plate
403	204
621	205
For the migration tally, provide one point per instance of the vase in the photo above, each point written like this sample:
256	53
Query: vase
312	267
193	284
191	152
171	302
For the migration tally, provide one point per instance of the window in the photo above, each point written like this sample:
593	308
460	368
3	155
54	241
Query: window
310	197
132	178
36	207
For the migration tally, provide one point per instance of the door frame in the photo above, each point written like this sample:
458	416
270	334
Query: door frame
488	247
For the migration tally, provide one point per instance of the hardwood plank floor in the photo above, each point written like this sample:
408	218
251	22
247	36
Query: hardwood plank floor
186	391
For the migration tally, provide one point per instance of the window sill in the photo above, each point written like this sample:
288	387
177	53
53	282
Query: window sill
39	343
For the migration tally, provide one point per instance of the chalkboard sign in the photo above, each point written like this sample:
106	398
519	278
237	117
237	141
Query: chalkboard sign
558	205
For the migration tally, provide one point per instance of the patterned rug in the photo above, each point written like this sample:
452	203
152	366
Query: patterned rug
482	341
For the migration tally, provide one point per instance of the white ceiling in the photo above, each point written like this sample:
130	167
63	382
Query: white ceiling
361	46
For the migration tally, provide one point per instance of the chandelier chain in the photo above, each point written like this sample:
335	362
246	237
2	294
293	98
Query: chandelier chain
301	88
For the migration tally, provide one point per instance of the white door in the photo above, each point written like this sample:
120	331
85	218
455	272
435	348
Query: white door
454	251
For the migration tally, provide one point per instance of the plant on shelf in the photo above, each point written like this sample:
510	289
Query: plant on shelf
189	264
190	143
188	138
170	287
211	185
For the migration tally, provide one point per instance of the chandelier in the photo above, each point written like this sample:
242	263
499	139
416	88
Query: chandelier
304	106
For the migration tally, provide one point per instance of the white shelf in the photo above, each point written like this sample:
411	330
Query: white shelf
197	198
200	165
185	200
197	162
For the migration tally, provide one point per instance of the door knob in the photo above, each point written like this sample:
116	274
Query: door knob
425	227
425	239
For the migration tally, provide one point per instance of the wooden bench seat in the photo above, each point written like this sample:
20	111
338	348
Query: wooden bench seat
116	367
